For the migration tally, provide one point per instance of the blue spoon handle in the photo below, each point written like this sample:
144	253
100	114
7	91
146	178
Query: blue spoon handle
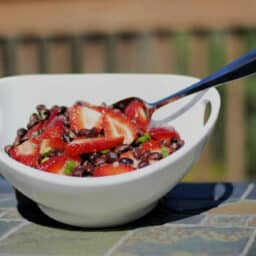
243	66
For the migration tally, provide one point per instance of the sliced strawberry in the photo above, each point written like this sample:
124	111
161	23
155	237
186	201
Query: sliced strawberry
163	133
152	146
112	169
52	135
89	145
58	164
136	111
84	117
26	153
52	116
34	131
116	125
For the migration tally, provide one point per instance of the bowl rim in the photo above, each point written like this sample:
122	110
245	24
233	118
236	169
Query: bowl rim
50	178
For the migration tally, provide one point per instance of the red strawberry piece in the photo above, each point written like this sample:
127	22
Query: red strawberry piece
89	145
52	116
163	133
84	117
34	131
116	124
26	153
52	135
56	164
152	146
136	111
112	169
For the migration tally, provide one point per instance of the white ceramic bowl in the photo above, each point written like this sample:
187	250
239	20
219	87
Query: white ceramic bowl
112	200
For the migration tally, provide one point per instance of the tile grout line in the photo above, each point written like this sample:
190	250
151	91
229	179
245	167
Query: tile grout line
13	230
119	242
247	191
249	244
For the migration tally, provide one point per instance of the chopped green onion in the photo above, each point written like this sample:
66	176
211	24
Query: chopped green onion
46	150
144	138
69	167
44	159
164	151
104	151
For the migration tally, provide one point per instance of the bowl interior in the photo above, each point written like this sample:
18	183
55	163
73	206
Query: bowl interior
19	95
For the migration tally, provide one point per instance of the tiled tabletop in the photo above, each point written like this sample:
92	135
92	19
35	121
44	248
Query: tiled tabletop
192	220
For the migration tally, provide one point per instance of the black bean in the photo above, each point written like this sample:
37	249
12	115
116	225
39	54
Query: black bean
88	132
155	156
174	145
40	107
126	160
145	155
33	120
88	167
21	132
100	160
136	152
143	163
7	148
122	148
111	157
92	157
66	138
44	114
174	140
78	171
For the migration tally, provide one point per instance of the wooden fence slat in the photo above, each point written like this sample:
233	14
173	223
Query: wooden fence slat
126	54
235	118
77	54
182	48
9	56
27	57
43	55
59	56
111	42
1	59
94	52
163	55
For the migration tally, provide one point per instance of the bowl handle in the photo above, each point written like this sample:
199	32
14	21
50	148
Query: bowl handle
211	102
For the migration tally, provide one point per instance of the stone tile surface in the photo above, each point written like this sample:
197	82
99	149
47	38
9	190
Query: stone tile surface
11	213
252	250
37	240
226	220
242	207
6	226
252	222
185	241
252	194
8	203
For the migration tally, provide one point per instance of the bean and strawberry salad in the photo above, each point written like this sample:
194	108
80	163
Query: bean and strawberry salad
86	140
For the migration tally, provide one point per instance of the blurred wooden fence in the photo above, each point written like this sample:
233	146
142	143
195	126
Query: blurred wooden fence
195	53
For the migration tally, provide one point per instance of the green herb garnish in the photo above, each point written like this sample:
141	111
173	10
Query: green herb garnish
164	151
144	138
104	151
46	150
44	159
69	167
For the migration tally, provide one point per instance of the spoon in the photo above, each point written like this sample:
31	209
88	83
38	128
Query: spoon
240	67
